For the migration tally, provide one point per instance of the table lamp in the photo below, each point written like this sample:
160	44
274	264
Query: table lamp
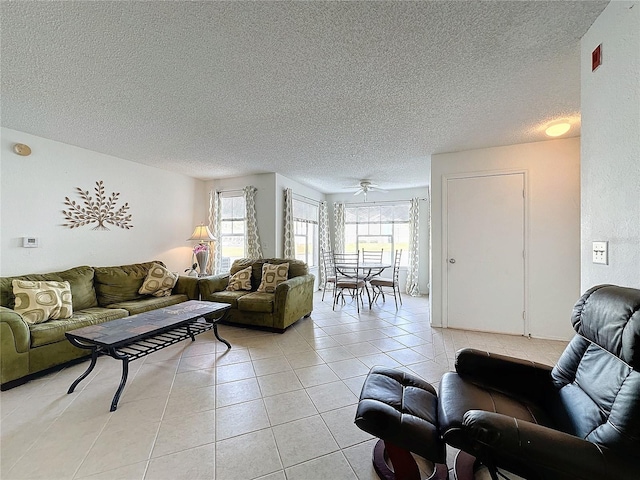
203	235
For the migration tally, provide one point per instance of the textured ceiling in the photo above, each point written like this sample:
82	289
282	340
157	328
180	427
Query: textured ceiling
325	93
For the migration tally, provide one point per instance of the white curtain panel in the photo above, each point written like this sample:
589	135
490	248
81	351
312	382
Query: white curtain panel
289	234
338	219
412	273
252	239
323	233
215	225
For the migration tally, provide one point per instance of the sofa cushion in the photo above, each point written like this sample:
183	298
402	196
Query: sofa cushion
256	302
240	280
40	301
159	281
53	331
80	279
272	276
120	284
226	296
149	303
256	269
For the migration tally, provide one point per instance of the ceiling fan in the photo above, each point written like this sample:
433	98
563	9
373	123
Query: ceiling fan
365	187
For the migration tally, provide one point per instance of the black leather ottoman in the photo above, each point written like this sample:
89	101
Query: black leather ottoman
402	411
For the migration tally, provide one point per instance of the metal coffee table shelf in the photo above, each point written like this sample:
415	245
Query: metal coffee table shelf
137	336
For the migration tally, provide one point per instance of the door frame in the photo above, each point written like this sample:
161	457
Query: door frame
445	238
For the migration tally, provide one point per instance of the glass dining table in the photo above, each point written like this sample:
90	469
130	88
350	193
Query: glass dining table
369	270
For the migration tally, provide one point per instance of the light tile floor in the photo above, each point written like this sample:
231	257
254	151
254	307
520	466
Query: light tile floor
273	407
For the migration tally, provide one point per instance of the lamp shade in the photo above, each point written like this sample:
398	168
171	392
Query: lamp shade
202	234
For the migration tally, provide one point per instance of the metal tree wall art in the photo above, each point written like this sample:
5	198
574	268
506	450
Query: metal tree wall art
101	210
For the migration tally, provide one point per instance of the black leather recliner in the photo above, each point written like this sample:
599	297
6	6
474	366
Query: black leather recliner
577	420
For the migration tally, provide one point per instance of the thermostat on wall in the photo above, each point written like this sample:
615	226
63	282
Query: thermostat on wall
30	242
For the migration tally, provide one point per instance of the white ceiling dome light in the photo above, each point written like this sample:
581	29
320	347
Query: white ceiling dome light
558	129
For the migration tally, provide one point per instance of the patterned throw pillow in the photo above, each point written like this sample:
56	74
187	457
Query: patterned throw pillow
272	276
38	302
241	280
159	282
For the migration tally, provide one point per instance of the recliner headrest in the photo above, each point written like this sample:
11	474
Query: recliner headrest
609	316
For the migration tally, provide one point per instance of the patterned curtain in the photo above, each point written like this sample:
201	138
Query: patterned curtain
412	273
325	241
252	239
338	220
215	224
289	234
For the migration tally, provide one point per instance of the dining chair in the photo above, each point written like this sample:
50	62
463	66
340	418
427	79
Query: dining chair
346	267
329	271
379	283
372	256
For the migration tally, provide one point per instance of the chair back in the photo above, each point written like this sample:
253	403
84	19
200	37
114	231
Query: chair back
327	263
346	264
372	256
597	376
396	265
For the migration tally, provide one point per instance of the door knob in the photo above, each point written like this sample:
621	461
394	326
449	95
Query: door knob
452	260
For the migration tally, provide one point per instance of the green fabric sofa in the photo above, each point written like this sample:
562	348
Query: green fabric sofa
99	294
292	300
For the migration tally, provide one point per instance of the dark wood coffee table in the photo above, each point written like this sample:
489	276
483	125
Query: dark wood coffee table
139	335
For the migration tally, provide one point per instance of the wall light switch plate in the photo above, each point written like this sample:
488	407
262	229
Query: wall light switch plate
30	242
601	252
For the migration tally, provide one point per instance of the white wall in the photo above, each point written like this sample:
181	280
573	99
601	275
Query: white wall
298	189
165	208
265	197
269	205
610	98
270	211
391	195
553	234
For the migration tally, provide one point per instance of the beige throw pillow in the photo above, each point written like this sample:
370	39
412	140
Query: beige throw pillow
38	302
241	280
272	276
159	282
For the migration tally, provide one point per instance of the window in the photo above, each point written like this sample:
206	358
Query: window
305	228
233	229
378	227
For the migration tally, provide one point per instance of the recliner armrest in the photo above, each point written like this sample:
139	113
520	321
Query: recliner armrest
546	449
506	374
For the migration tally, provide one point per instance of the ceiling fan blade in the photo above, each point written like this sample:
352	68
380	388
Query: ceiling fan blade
358	192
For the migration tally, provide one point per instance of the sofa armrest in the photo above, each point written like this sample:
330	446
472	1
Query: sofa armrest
300	281
550	450
19	330
504	373
187	286
215	283
293	299
15	341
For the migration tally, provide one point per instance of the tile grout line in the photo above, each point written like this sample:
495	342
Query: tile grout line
164	410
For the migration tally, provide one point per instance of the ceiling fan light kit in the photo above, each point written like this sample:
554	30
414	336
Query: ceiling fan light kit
365	187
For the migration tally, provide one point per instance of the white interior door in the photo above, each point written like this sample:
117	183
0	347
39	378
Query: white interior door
485	253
